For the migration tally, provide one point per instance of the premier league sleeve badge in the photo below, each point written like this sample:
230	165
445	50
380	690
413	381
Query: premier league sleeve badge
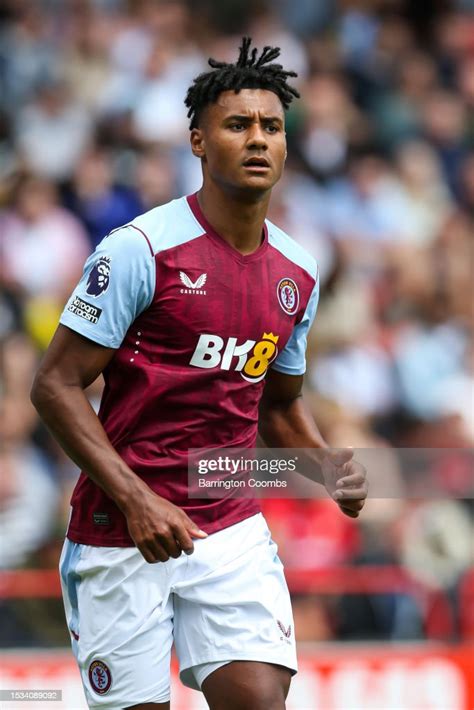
99	277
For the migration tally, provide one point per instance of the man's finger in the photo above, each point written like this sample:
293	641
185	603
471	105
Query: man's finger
339	458
193	529
149	557
161	555
171	546
184	539
350	494
154	553
349	512
352	504
353	479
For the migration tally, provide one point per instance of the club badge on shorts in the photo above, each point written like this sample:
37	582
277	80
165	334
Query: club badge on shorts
100	677
288	296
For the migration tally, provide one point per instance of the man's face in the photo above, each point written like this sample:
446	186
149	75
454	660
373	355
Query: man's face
241	140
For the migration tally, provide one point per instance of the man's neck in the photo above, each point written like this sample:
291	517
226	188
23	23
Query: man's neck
238	221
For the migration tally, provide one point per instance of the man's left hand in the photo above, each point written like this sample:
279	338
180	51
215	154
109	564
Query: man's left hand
345	481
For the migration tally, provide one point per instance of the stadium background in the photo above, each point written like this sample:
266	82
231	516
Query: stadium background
379	186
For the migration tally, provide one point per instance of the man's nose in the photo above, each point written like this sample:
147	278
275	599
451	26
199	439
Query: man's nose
257	137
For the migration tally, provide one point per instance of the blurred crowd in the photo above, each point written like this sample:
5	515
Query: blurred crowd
379	187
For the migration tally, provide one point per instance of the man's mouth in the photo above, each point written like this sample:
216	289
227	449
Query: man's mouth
256	164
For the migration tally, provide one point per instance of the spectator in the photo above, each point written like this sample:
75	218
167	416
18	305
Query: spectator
29	495
330	123
52	132
156	178
86	67
27	56
160	114
427	201
398	113
445	125
436	542
366	211
96	200
44	245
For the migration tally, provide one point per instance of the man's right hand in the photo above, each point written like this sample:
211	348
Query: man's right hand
158	528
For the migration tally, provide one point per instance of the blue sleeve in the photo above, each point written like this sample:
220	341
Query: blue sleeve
117	284
292	359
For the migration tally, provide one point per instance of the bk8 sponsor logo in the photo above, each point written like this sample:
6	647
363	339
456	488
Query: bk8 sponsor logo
251	358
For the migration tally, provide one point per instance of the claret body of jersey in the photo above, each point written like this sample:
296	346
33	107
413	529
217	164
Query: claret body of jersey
196	326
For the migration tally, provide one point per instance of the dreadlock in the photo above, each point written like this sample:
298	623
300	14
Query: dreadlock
247	73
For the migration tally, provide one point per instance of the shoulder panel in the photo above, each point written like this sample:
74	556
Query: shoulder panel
291	249
168	225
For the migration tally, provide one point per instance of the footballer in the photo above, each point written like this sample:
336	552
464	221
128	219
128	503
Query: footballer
197	315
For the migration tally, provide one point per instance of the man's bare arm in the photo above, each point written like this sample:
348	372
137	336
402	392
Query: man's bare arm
285	421
70	365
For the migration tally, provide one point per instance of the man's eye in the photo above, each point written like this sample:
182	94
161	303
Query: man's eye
237	126
272	128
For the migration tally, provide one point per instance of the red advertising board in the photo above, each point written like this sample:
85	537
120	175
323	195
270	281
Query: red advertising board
331	677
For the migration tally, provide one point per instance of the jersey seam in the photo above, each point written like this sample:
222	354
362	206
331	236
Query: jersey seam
309	299
181	244
287	370
145	236
217	240
130	224
123	541
190	209
298	266
153	255
93	337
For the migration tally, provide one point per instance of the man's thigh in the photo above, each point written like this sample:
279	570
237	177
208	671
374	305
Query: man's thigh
119	612
247	685
234	605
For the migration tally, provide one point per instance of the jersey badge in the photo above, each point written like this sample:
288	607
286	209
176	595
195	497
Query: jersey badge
100	677
288	296
195	287
99	277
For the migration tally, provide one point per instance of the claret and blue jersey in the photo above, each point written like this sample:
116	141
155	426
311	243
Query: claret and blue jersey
196	326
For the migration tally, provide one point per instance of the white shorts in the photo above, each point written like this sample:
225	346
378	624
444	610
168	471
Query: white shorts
228	601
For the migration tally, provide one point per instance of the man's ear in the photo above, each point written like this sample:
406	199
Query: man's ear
197	143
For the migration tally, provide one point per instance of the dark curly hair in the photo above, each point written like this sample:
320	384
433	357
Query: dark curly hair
247	73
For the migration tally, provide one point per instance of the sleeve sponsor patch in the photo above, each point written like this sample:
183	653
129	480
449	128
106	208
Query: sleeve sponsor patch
85	310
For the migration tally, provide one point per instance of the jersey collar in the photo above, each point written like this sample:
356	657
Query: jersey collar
220	241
